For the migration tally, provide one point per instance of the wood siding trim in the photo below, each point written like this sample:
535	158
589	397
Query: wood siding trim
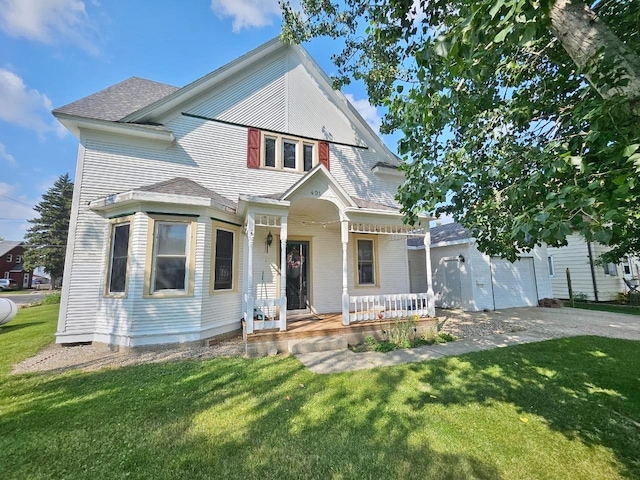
323	154
253	148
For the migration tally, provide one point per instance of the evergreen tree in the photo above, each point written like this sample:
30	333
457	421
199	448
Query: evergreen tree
46	239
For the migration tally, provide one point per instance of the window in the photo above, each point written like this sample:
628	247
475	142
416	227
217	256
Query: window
269	152
289	150
223	269
170	256
307	157
118	258
18	258
6	274
610	269
288	153
626	266
366	266
552	267
9	257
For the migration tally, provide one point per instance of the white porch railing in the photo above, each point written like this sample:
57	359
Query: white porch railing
384	307
267	313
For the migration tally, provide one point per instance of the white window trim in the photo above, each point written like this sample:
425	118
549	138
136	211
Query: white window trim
190	249
9	257
279	152
608	267
234	258
18	258
6	275
112	231
376	275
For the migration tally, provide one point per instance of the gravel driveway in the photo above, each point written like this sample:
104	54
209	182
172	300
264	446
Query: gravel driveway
536	323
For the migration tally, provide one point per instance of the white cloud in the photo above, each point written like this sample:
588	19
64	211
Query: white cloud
6	155
247	13
48	21
367	111
23	106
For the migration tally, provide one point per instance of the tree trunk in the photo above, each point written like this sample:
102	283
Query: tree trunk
583	35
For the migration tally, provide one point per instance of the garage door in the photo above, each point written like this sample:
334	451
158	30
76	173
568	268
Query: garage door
514	284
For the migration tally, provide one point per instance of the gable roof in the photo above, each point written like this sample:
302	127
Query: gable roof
450	232
116	102
130	106
184	186
6	246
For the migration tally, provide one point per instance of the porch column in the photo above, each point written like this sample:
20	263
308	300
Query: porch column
251	232
345	279
431	303
283	273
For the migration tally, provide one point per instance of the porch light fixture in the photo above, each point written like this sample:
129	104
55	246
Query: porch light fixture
461	258
269	239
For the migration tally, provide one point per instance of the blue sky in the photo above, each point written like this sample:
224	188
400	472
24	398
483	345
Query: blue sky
53	52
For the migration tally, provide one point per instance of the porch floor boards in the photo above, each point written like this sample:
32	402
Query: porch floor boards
311	326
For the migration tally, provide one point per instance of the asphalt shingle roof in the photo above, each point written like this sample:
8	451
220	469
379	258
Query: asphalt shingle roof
184	186
6	246
443	233
119	100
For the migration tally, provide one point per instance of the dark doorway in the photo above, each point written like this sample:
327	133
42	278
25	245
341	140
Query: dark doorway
297	275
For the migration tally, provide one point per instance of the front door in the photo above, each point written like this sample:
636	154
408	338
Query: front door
297	275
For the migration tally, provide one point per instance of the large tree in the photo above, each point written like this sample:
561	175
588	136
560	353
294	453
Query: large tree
46	239
521	118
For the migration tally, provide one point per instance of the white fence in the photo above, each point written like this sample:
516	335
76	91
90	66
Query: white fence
265	313
383	307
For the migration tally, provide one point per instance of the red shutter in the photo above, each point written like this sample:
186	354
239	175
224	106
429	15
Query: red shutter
253	148
323	154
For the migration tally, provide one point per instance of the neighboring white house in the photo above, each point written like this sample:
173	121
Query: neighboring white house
463	277
597	282
254	191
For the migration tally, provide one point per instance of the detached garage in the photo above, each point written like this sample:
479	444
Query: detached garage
463	277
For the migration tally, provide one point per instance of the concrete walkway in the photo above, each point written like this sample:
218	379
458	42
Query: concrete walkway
540	324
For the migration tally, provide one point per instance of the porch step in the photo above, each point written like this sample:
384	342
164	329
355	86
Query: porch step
318	344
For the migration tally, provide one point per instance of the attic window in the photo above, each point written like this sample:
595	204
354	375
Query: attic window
287	153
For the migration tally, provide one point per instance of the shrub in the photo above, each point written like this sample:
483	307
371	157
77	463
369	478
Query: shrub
580	297
446	337
51	299
401	332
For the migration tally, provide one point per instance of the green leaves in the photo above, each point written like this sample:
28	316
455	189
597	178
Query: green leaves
500	129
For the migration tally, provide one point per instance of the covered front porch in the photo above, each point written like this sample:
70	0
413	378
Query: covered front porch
324	252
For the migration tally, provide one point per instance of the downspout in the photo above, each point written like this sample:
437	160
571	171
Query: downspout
593	272
493	293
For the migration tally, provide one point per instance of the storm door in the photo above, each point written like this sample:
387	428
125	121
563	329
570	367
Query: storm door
297	275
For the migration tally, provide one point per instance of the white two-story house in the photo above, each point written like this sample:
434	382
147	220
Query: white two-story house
251	193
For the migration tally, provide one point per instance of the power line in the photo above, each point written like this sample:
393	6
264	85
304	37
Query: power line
14	200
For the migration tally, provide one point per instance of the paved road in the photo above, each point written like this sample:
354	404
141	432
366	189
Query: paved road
25	298
540	324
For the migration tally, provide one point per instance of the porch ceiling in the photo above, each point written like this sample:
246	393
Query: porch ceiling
312	210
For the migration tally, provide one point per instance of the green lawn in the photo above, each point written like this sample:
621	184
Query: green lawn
566	408
607	307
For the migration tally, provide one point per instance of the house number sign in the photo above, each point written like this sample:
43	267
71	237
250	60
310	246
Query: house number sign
316	193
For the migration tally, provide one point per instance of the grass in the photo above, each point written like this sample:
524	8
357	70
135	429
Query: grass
566	408
607	307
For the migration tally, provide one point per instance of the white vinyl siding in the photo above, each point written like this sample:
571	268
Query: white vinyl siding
278	94
575	257
483	280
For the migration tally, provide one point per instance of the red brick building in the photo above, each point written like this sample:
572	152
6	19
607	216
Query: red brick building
11	263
